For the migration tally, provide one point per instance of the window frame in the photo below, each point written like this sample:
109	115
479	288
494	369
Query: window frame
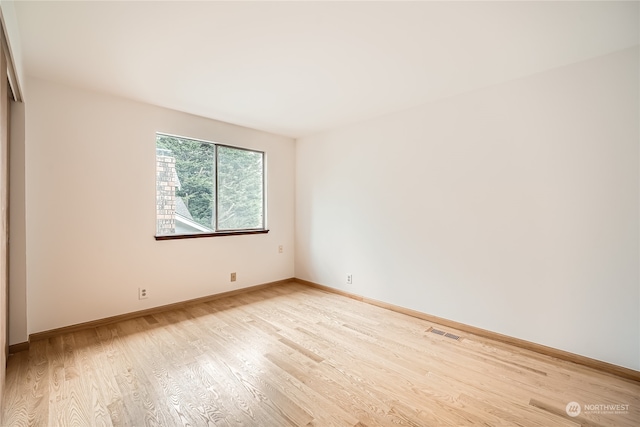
226	232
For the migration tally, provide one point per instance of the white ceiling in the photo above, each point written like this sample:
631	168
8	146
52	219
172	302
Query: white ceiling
296	68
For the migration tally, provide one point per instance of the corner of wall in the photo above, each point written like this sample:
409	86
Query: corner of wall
12	34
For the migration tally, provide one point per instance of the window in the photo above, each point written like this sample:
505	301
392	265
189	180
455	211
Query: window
207	189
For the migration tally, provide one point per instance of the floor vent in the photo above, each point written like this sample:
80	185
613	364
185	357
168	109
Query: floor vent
444	334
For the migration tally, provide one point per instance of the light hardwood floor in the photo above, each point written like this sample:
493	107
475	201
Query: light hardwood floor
297	356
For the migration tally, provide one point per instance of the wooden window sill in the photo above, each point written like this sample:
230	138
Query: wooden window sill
216	234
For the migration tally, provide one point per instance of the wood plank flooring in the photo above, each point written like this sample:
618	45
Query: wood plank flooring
292	355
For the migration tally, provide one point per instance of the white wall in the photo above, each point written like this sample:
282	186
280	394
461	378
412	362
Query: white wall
90	210
513	208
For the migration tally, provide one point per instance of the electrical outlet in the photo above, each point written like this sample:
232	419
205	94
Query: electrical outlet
233	277
143	293
349	279
280	249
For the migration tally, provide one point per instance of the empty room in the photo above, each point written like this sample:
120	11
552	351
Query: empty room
332	213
